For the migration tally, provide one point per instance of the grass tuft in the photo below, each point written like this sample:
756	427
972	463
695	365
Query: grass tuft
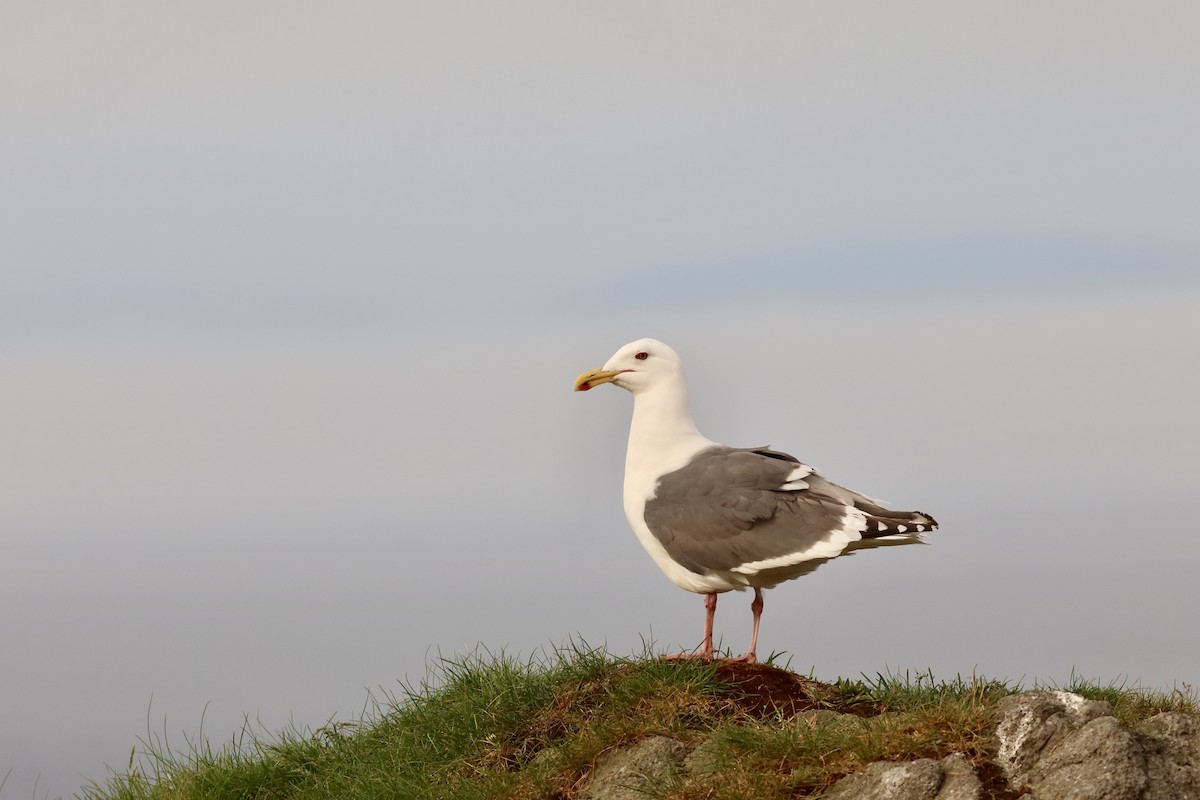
1132	703
888	717
491	725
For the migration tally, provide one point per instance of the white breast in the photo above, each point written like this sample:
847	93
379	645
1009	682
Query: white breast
663	438
643	467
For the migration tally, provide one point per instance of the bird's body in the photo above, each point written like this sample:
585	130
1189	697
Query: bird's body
717	518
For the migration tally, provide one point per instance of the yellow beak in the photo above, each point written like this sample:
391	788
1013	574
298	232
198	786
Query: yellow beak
595	377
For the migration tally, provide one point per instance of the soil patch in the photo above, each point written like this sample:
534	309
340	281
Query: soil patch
765	691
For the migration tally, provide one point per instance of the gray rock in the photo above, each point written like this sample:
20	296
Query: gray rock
890	780
1171	745
1100	761
1173	725
633	772
952	778
1033	722
1064	747
959	781
704	758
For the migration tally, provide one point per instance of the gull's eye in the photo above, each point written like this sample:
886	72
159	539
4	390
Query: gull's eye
642	356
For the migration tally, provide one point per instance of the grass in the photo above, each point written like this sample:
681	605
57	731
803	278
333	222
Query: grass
494	726
1131	703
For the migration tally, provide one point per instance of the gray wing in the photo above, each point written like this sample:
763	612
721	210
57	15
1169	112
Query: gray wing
729	507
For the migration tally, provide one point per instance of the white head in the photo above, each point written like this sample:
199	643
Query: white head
637	367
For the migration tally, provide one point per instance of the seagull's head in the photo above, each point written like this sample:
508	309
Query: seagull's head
636	367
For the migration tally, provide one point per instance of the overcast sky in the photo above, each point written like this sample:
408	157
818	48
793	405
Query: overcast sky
292	295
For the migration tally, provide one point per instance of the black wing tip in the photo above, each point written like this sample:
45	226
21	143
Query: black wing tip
918	523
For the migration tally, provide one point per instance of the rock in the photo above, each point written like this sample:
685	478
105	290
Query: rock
1100	761
1171	745
952	778
1033	722
1051	745
705	758
631	773
890	780
959	780
1063	747
1172	724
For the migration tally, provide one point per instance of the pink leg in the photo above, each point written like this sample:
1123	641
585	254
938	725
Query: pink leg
756	607
710	612
705	653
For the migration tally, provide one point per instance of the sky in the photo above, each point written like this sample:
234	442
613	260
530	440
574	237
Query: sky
292	296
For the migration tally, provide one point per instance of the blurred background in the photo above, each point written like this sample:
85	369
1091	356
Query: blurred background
292	296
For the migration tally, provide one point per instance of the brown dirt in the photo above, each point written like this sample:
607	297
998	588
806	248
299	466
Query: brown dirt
995	785
765	691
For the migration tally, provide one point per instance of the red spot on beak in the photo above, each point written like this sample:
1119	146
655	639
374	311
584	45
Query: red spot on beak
583	387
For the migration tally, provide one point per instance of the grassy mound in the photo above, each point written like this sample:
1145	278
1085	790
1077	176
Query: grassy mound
499	727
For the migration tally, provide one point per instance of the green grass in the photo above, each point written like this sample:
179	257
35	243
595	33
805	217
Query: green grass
495	726
1133	703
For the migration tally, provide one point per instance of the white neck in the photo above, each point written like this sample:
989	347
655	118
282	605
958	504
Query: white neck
662	434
